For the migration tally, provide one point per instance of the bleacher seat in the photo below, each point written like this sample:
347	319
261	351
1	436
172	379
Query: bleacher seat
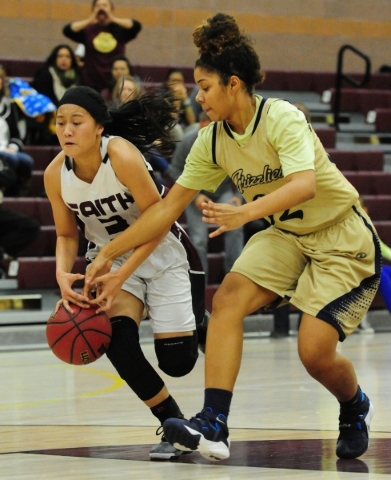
36	188
42	154
40	272
361	100
38	208
326	135
383	228
45	244
379	206
370	183
357	160
381	117
21	67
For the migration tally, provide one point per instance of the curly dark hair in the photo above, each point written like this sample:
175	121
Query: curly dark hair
226	50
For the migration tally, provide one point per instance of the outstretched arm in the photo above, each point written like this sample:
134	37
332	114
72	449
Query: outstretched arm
298	188
156	219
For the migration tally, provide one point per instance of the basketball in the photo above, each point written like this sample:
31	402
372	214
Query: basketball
80	338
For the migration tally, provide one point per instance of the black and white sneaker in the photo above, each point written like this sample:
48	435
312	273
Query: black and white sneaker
354	426
206	433
164	450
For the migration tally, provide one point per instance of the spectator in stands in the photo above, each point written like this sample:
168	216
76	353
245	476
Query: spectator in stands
121	67
22	163
9	110
104	36
59	72
17	231
175	81
196	107
226	193
125	88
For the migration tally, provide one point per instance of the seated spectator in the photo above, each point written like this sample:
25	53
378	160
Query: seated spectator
104	36
17	231
226	193
125	88
12	154
35	107
9	110
196	107
121	67
175	81
59	72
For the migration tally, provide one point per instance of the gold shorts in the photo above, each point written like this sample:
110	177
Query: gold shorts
332	274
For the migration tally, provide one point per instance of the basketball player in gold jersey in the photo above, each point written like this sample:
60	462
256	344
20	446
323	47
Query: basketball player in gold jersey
321	252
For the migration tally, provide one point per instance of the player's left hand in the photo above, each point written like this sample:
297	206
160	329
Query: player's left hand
227	216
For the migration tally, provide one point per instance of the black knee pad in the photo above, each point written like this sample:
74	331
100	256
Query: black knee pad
128	359
177	355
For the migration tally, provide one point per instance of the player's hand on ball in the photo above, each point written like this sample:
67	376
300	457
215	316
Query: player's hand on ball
65	281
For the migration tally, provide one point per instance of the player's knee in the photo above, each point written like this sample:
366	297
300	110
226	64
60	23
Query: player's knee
128	359
177	355
314	362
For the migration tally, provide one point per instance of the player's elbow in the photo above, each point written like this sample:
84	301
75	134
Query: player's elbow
310	191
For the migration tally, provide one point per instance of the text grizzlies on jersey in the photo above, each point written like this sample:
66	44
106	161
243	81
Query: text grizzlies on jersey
243	181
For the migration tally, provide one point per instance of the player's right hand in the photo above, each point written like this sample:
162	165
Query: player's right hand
65	281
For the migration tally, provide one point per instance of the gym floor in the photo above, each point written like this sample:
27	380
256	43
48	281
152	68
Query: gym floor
59	421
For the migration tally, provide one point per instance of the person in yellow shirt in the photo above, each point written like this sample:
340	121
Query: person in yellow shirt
321	251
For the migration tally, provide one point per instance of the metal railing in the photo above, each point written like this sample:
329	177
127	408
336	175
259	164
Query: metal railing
343	76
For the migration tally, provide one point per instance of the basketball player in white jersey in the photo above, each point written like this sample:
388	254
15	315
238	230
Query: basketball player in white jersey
101	183
321	251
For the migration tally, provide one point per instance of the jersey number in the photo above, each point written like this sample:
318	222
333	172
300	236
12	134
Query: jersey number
287	215
117	224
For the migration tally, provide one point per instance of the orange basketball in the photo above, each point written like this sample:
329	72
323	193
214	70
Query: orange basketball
80	338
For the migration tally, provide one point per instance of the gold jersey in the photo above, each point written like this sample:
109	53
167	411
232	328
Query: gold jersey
277	142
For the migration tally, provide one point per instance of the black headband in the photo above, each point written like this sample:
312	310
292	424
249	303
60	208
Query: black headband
97	110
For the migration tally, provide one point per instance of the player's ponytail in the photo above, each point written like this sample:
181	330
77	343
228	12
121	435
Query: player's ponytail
146	120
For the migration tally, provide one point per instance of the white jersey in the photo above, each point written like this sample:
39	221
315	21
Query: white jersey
105	207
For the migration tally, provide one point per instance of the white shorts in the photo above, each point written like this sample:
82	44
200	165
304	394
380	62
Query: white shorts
162	283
